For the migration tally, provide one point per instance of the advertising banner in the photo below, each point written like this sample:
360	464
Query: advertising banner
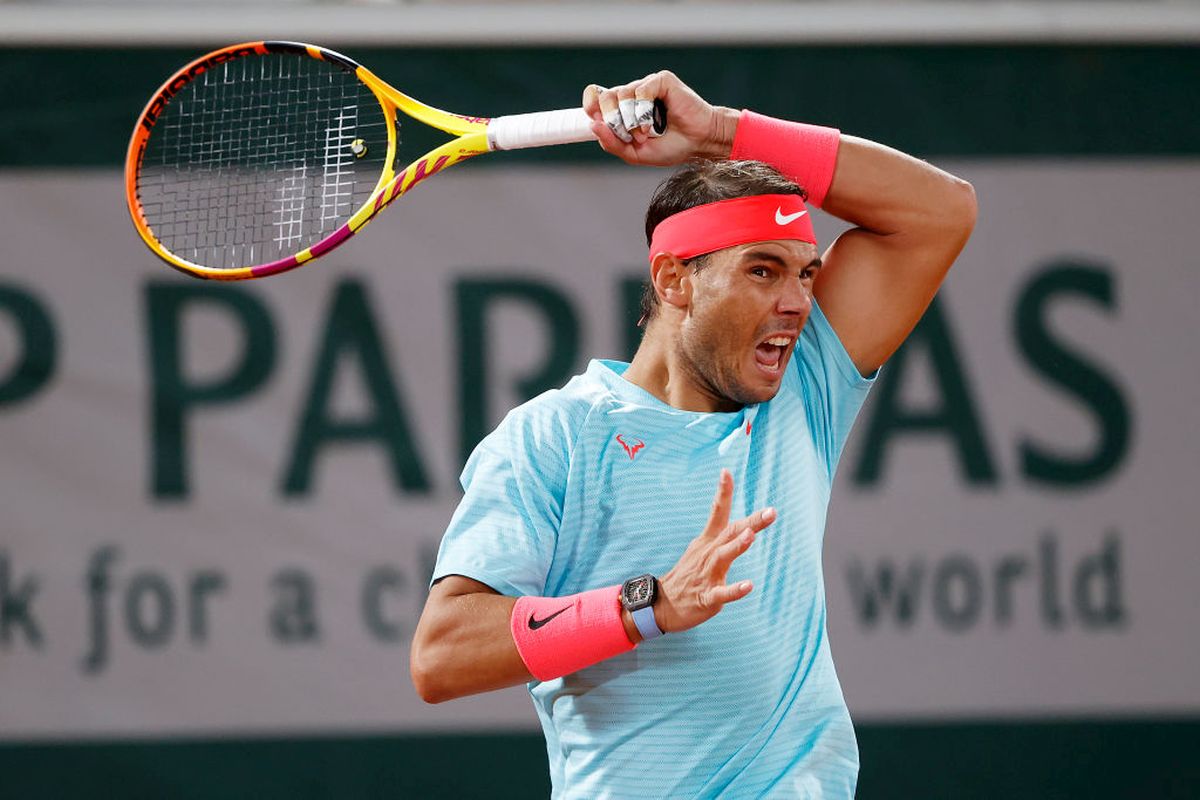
220	504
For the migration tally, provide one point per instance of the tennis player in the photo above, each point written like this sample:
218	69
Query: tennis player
674	644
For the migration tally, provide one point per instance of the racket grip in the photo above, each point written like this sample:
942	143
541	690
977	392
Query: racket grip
540	128
564	126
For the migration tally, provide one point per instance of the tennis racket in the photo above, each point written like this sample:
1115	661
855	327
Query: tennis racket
263	156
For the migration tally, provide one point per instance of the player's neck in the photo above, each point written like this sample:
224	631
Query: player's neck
658	368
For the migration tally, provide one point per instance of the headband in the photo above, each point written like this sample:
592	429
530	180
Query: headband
714	226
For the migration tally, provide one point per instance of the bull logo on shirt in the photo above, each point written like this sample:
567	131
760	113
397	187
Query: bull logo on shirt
632	446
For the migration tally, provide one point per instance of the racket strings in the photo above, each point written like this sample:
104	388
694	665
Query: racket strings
260	158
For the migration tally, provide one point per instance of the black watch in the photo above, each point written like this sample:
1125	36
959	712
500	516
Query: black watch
638	596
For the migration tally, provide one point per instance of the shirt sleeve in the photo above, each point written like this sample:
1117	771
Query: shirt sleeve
832	388
504	531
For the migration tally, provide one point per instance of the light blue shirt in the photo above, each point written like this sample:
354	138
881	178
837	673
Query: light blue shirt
600	481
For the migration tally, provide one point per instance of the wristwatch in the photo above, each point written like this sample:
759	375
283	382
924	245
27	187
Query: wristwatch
638	596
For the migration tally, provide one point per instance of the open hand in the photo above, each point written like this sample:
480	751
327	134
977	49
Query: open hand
695	589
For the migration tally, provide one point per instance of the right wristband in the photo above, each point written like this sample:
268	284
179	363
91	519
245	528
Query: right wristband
807	154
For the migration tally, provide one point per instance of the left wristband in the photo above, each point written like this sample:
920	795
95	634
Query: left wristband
556	636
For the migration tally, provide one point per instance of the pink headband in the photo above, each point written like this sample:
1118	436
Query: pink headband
726	223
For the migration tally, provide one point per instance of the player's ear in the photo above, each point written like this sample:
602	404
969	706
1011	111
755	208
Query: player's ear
670	279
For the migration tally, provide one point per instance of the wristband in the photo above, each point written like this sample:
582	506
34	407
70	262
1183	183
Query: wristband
807	154
556	636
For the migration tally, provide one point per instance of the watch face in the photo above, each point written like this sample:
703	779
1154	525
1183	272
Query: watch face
638	592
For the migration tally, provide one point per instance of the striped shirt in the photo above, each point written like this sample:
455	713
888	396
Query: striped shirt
600	481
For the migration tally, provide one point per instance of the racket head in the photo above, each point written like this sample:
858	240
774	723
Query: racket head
261	156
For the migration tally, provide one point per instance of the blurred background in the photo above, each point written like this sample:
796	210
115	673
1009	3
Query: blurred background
219	505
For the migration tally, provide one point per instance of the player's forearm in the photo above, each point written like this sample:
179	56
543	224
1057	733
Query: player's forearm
889	193
464	643
463	646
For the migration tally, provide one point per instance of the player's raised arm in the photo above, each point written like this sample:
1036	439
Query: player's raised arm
471	639
912	219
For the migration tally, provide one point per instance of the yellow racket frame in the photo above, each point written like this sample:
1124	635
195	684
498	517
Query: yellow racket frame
471	141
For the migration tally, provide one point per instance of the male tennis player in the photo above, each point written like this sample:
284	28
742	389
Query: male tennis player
667	657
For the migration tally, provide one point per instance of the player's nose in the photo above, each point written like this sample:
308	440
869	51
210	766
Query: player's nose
794	298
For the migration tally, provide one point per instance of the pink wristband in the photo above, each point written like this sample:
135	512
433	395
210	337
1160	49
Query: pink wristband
560	635
805	153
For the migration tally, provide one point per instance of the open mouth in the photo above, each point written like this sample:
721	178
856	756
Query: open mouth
771	352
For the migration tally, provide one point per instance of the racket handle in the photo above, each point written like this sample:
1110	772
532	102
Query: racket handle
563	126
540	128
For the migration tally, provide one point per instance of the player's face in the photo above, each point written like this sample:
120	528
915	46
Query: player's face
747	308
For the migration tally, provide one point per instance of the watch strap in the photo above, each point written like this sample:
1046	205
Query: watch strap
643	618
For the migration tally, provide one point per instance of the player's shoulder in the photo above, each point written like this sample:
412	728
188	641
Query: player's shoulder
822	357
557	415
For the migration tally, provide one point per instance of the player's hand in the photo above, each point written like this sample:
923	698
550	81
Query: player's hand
694	127
695	589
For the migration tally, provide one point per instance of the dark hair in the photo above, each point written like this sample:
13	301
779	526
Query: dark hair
701	182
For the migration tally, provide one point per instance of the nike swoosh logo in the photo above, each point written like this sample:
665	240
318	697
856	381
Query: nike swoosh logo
534	624
784	219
